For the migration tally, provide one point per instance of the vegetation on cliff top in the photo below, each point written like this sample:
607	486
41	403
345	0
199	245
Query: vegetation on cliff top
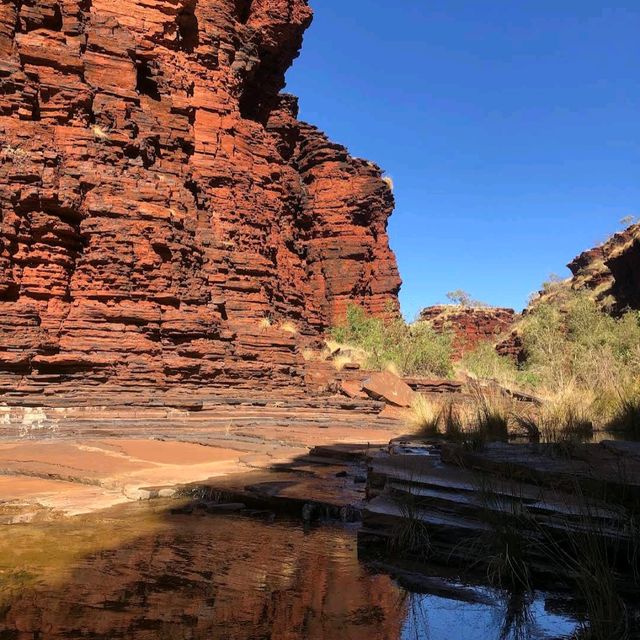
415	349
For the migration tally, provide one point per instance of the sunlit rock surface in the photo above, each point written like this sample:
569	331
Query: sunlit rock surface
469	326
164	216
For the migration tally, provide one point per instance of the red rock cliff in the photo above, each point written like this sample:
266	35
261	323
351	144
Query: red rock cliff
159	198
469	325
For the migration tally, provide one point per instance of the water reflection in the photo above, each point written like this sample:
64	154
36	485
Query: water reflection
431	617
190	577
138	573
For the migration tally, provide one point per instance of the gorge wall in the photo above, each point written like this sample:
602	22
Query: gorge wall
164	216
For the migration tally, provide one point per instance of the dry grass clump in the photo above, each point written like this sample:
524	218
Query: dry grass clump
484	421
452	421
100	133
493	421
573	414
264	323
309	355
508	564
392	367
332	346
567	416
411	534
341	361
289	327
425	417
626	416
341	355
491	415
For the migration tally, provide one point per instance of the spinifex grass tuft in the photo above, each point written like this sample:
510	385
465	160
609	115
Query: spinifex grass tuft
452	422
491	417
626	418
425	417
411	534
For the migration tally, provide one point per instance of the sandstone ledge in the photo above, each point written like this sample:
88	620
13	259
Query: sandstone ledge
70	456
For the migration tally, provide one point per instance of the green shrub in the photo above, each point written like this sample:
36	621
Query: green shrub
574	342
575	351
485	363
413	349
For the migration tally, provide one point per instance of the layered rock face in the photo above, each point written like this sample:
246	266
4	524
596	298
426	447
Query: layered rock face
165	218
470	325
611	271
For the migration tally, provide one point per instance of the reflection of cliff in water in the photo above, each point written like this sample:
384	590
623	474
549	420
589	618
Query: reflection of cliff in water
192	577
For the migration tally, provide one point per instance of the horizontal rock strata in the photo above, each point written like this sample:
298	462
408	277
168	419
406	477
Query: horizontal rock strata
469	325
466	500
164	216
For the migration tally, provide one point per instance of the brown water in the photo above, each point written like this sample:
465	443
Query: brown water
138	572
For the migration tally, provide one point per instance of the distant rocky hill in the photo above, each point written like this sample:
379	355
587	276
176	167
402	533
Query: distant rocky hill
469	325
609	273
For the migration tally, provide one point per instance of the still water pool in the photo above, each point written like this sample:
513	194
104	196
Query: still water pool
140	572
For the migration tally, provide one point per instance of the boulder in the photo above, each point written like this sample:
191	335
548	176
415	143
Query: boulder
386	386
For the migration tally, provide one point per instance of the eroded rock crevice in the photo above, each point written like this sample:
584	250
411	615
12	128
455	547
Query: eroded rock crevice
188	29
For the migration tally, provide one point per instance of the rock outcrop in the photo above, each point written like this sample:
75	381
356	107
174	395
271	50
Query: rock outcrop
469	325
608	273
611	271
164	216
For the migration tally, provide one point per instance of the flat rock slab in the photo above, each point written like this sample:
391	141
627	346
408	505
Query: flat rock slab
24	498
614	463
76	477
93	457
386	386
306	490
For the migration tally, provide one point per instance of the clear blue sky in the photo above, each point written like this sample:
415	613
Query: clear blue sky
511	129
